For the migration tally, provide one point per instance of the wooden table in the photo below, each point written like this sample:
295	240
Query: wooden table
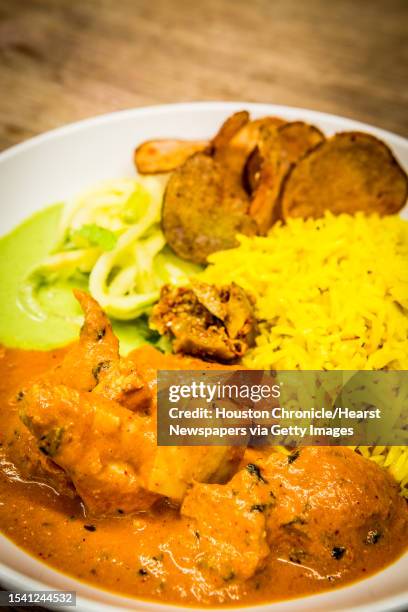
63	60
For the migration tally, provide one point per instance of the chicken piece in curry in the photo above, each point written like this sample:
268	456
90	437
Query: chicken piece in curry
318	507
100	427
89	490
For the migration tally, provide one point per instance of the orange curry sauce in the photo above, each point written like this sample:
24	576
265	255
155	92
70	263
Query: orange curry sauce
146	555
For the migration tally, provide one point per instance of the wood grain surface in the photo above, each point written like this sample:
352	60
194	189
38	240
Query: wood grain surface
64	60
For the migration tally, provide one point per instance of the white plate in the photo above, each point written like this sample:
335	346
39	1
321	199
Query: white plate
55	166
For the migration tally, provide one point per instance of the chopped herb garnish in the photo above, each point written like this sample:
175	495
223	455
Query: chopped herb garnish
338	552
50	442
229	576
102	365
143	572
298	520
258	508
297	556
255	470
136	205
94	235
100	333
90	527
373	536
293	456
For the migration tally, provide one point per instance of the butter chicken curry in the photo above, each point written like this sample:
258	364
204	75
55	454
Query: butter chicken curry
85	488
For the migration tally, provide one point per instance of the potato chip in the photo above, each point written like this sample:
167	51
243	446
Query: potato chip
227	131
352	171
202	210
241	145
278	149
157	156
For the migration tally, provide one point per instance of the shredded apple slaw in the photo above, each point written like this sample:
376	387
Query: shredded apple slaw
110	236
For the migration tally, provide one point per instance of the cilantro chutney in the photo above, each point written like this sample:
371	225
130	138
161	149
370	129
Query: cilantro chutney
20	251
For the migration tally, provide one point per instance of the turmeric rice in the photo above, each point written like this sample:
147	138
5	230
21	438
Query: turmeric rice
330	293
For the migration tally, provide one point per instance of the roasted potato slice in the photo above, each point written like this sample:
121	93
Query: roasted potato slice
165	155
352	171
157	156
228	130
203	209
242	144
248	136
233	144
205	204
279	148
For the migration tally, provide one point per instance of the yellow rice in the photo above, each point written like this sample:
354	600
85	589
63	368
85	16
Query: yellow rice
330	293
